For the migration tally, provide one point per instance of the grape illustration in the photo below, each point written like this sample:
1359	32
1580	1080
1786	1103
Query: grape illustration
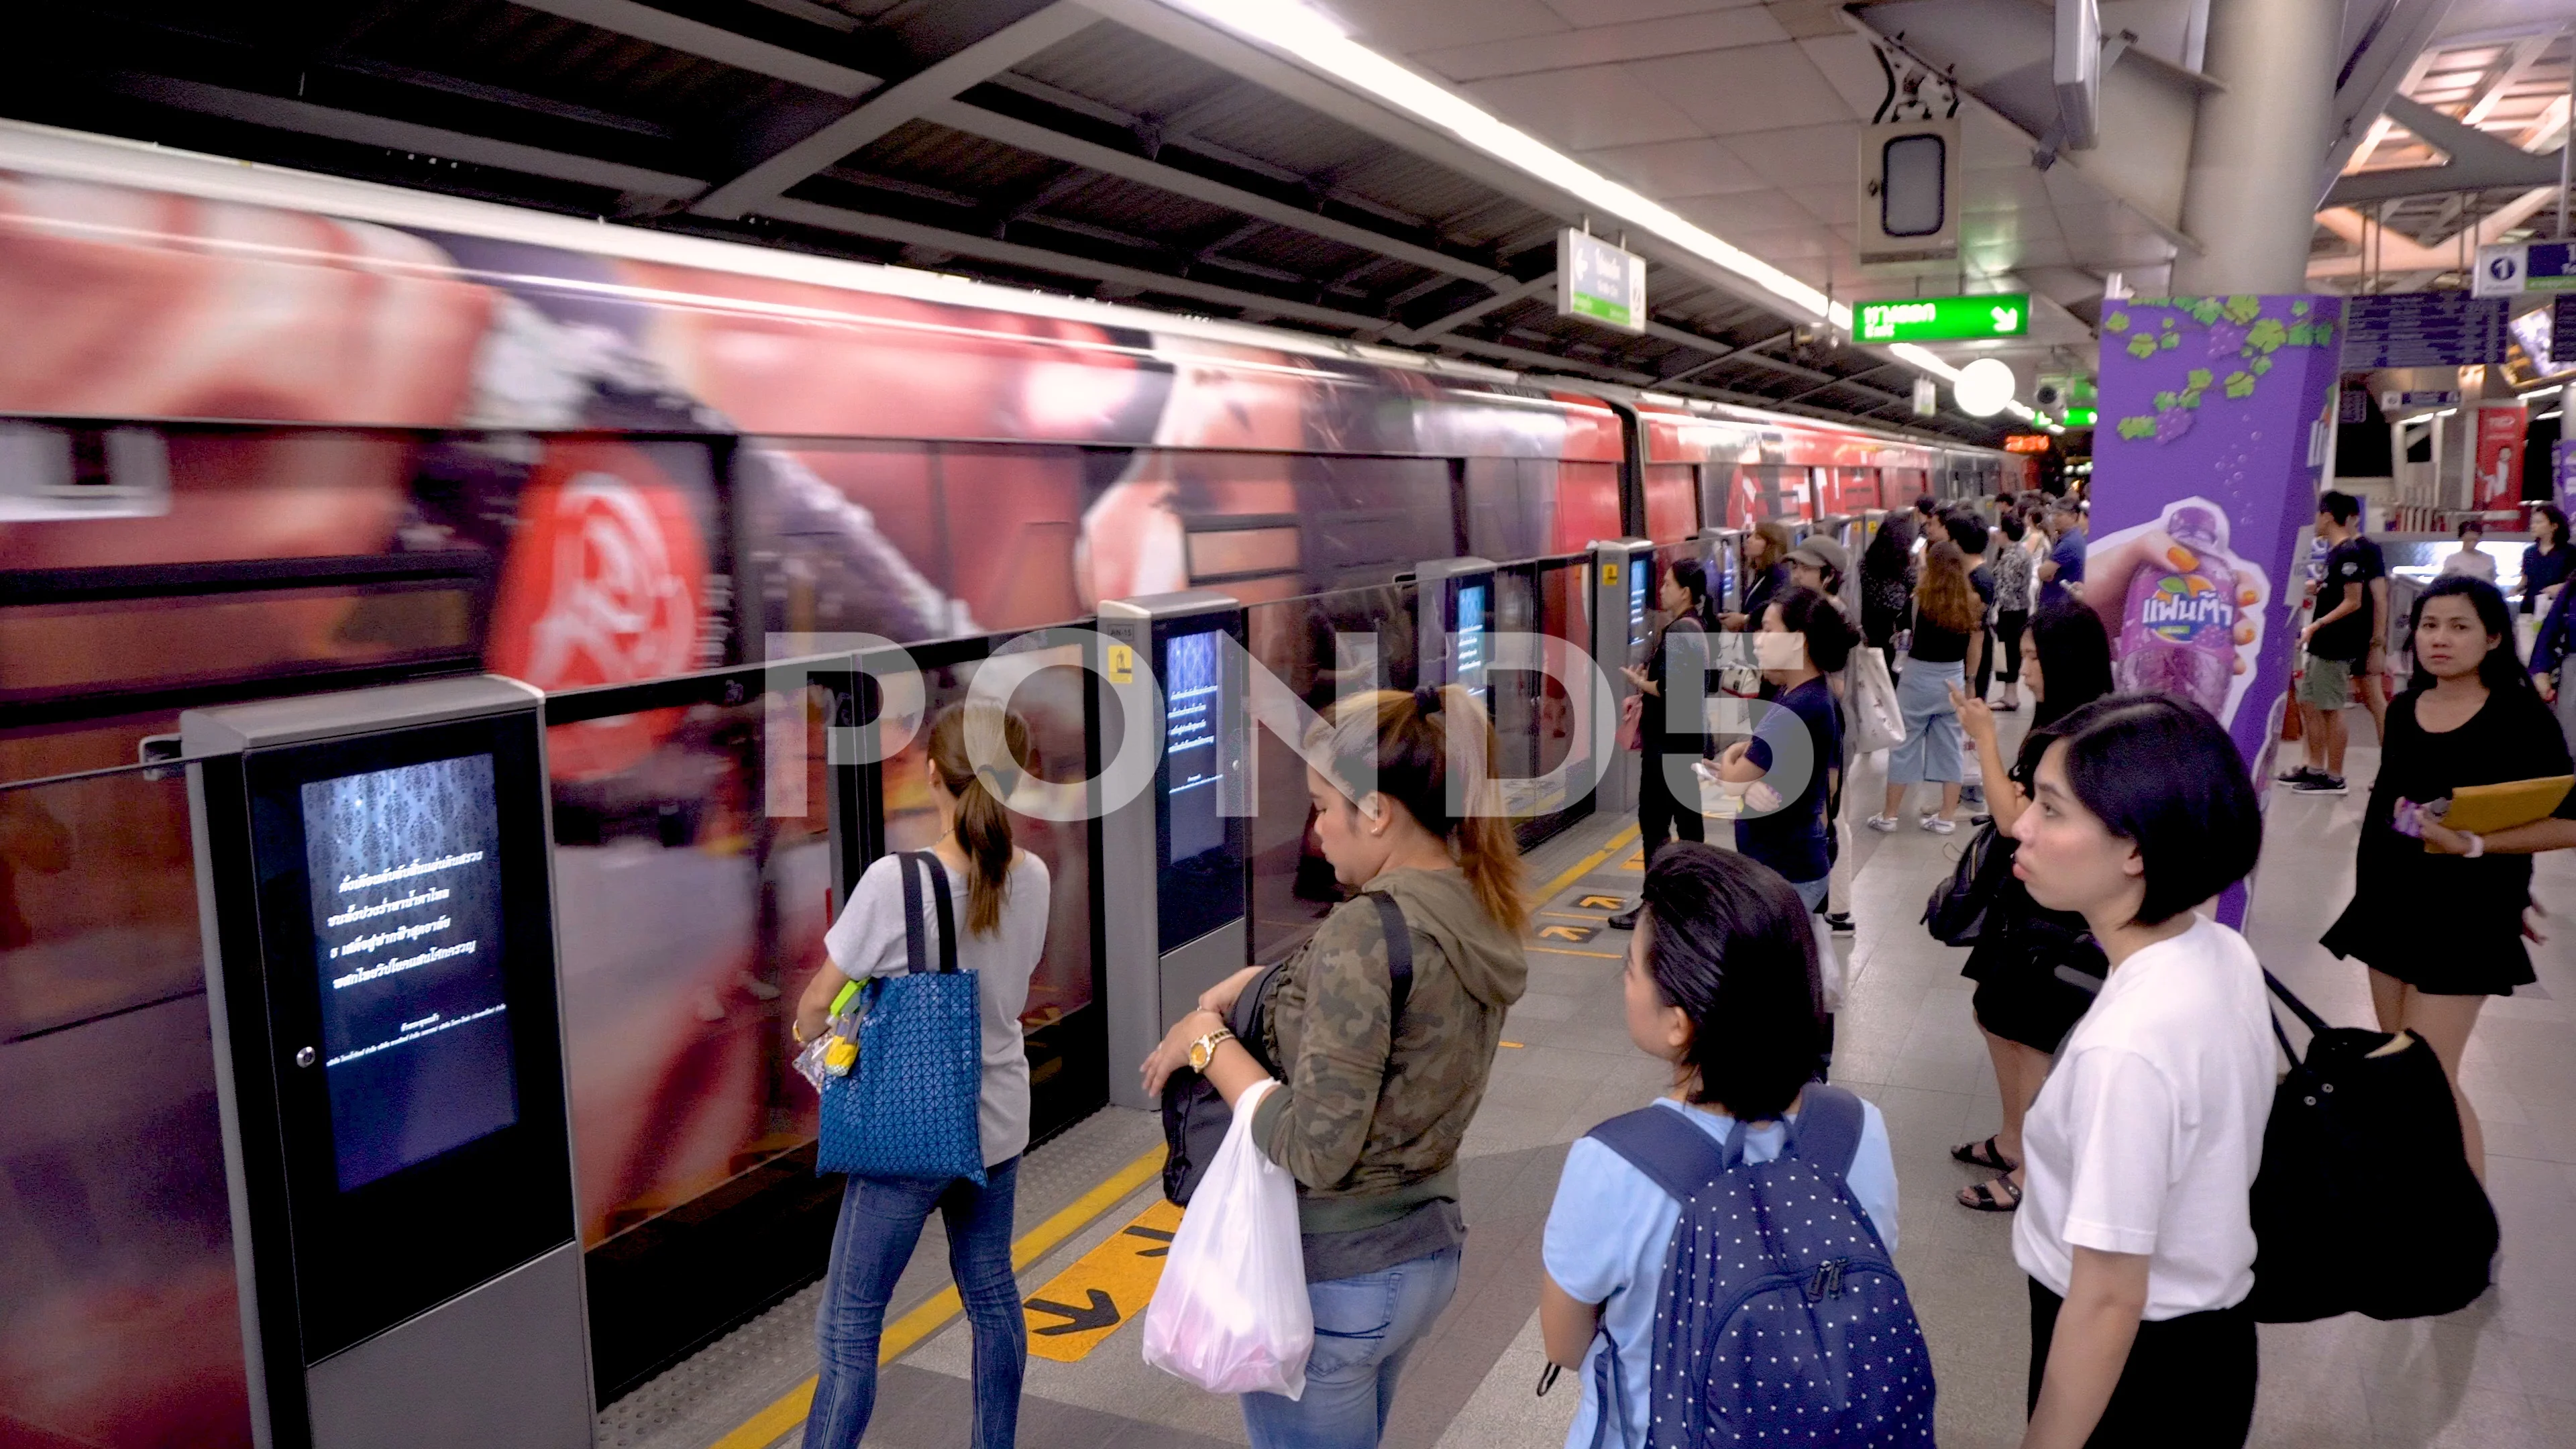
2226	339
2172	423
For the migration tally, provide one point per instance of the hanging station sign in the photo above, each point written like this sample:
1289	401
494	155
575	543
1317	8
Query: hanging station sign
2516	267
1599	282
1945	319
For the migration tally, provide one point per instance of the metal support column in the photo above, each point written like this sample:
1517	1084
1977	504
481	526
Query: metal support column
2250	194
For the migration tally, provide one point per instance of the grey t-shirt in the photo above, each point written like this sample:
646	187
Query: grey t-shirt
868	941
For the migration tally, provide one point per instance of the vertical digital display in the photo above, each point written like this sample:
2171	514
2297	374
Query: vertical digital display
406	894
1640	570
1472	641
1194	758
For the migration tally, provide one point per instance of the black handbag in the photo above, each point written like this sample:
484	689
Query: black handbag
1961	909
2365	1202
1195	1117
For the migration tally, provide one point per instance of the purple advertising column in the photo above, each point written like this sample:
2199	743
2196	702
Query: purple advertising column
2202	480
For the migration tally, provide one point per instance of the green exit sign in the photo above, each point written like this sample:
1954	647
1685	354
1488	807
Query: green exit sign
1946	319
2080	417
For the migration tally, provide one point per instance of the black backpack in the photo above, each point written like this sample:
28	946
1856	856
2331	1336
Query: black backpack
2365	1202
1195	1116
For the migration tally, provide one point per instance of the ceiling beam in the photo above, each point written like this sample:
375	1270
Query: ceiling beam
1027	136
2478	160
1729	353
305	118
2389	57
902	101
884	228
710	42
2517	64
1518	292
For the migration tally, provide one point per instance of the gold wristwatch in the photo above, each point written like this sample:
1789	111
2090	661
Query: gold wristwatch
1203	1051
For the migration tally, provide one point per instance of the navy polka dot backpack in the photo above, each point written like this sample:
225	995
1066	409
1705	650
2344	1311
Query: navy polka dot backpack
1780	1319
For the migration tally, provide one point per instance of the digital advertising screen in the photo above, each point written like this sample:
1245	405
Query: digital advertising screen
1194	760
1474	620
1641	572
406	893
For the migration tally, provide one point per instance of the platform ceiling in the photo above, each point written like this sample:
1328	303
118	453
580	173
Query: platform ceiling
1116	148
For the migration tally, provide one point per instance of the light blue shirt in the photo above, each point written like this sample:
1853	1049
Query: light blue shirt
1608	1229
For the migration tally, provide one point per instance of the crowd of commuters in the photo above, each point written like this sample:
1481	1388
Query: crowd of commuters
2129	1032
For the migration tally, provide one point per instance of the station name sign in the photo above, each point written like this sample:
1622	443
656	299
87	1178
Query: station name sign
1945	319
1599	282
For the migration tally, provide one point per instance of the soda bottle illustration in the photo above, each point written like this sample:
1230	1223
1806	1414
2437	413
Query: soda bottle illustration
2178	629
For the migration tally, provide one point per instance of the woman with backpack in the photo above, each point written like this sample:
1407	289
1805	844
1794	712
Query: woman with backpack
2436	914
2024	1002
1373	1100
1005	892
2141	1150
1721	983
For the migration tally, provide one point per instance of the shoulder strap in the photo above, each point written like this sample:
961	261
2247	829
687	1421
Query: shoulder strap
947	916
2316	1024
1827	1133
1399	957
913	952
916	953
1673	1154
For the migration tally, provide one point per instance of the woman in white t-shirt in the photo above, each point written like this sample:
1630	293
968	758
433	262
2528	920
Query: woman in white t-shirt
2143	1145
2471	559
1003	894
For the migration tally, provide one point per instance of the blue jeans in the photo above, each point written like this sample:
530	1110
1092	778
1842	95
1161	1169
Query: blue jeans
881	1222
1933	741
1364	1327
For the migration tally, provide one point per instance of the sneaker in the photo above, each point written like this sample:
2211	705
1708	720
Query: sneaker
1840	922
1972	795
2299	776
2320	784
1883	824
1939	826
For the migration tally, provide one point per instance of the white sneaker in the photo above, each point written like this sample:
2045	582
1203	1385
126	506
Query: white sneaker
1937	825
1883	824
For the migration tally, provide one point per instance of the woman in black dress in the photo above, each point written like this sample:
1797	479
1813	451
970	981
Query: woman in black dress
1887	584
2439	921
2025	1003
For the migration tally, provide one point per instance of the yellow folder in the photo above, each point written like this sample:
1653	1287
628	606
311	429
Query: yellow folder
2486	809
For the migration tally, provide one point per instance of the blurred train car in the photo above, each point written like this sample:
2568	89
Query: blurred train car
264	433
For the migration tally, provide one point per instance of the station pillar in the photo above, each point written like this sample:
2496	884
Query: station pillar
2250	195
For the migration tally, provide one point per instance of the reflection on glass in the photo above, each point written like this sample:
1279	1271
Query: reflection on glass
119	1321
686	911
1050	702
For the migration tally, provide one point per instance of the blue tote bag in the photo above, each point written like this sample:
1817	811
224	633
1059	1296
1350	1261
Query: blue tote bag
909	1106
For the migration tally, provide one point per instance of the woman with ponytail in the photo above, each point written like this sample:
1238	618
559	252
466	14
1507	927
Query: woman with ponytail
1376	1092
1005	893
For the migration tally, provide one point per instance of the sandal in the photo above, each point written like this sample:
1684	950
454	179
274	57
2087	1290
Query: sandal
1997	1196
1983	1154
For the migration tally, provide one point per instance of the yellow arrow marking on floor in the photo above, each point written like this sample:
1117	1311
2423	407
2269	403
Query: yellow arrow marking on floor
1568	933
1634	862
1600	903
1081	1306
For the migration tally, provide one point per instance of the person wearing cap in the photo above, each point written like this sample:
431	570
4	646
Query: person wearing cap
1823	564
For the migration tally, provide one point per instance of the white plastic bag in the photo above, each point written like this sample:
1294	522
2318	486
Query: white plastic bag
1877	723
1231	1314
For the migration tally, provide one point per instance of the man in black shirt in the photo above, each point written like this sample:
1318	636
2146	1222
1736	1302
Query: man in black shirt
2339	642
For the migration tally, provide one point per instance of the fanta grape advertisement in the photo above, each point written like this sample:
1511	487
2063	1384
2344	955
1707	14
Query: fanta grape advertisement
2205	471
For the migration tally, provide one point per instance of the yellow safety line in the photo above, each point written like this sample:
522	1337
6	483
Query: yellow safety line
1585	866
770	1424
1575	916
1561	951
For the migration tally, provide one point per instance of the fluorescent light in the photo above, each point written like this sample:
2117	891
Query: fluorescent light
1315	40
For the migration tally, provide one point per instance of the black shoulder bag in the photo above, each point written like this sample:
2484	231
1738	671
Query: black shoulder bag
2365	1202
1195	1117
1961	910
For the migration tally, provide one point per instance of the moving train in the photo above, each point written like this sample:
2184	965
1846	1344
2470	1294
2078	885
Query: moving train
263	432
